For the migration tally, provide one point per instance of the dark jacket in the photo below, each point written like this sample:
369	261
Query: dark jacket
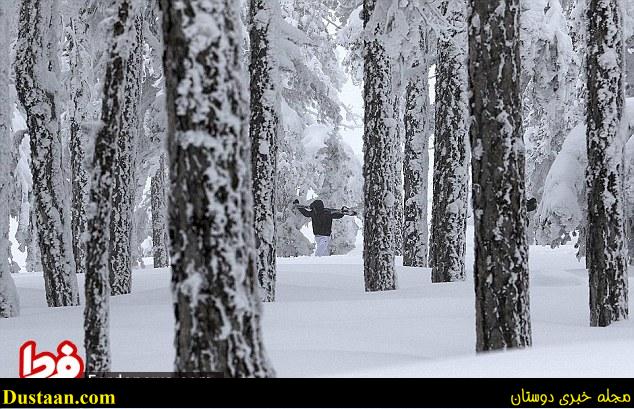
321	217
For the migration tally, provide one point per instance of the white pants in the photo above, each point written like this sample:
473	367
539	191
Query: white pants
323	243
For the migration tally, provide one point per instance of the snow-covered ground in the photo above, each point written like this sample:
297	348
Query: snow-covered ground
324	324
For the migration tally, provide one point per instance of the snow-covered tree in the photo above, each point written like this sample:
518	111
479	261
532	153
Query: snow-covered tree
338	183
418	121
449	206
606	253
214	277
263	128
79	107
497	160
116	85
37	77
379	154
9	303
550	68
160	241
124	174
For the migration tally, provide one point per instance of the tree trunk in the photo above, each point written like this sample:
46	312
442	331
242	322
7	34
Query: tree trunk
499	204
37	74
397	188
379	157
102	195
606	251
418	127
214	277
78	105
264	125
123	184
9	304
159	217
449	206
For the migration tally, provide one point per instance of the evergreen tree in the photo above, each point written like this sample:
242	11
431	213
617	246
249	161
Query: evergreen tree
37	77
449	206
380	155
606	252
123	172
501	249
264	126
214	276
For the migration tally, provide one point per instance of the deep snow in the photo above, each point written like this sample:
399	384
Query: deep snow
324	324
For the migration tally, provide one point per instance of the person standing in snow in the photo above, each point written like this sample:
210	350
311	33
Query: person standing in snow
322	218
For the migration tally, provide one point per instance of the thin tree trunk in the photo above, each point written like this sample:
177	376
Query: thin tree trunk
79	102
418	127
159	217
264	125
607	265
96	314
499	204
9	304
123	184
449	206
379	157
37	72
214	277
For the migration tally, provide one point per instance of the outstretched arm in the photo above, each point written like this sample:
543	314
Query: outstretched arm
304	210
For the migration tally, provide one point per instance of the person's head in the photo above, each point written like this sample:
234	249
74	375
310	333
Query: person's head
317	205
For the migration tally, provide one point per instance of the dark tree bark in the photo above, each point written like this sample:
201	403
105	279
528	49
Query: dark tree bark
214	277
96	314
79	102
607	265
379	158
159	217
418	127
263	133
499	205
449	206
36	71
123	173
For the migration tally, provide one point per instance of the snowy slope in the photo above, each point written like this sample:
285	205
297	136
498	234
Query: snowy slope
326	325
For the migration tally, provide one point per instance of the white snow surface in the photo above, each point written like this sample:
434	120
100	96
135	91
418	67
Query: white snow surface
324	324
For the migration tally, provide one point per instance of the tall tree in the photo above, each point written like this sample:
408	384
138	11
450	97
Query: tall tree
264	124
9	305
449	206
37	76
78	113
497	161
123	173
115	86
606	238
379	155
419	125
159	216
214	277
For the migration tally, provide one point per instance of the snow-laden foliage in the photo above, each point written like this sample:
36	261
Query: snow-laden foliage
562	213
310	79
37	83
550	68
